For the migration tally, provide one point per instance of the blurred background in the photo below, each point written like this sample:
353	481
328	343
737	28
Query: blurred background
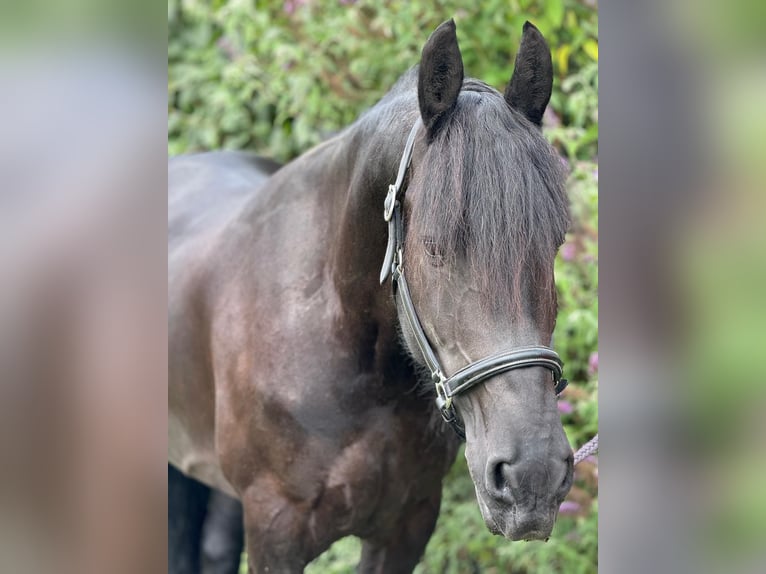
278	77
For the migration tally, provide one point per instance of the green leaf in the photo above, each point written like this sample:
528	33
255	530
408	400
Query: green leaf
591	48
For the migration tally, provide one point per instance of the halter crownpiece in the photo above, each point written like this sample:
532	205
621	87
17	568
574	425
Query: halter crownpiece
477	372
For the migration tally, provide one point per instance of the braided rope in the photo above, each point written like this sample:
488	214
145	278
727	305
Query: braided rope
589	448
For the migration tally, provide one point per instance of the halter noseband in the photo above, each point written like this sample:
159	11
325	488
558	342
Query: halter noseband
477	372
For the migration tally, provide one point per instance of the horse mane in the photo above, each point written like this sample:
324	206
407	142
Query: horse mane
490	191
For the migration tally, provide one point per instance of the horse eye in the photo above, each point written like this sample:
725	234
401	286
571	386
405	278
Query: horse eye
434	252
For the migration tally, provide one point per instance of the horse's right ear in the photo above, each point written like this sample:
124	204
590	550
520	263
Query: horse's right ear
440	77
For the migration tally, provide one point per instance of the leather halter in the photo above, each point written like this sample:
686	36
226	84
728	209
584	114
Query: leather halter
477	372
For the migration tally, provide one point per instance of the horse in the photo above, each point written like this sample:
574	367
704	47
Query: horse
302	378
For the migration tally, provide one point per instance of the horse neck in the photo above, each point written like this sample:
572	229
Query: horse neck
348	176
372	151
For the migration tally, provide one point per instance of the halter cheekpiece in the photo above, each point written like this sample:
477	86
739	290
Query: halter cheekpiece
475	373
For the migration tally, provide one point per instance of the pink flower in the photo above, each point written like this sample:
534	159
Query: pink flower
568	251
593	363
550	118
569	507
291	5
565	407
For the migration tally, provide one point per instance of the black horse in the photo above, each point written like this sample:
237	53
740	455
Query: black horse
296	381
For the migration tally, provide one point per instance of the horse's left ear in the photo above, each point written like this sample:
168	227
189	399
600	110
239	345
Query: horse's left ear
532	81
440	77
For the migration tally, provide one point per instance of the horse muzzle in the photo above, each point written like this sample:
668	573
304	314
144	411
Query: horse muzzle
518	523
520	501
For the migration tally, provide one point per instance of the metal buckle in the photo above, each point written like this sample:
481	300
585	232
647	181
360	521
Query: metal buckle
443	401
396	265
389	203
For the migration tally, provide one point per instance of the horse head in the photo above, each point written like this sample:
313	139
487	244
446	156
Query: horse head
482	216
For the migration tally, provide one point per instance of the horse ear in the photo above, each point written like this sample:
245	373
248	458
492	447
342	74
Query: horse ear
440	77
532	81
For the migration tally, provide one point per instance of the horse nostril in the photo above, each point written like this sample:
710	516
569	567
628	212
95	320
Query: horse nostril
566	482
498	476
503	480
514	482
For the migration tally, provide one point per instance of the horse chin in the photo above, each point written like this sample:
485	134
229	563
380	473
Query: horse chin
513	524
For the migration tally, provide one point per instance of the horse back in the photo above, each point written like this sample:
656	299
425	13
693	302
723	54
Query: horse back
205	188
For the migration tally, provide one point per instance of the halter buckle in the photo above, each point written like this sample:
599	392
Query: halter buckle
389	203
443	400
396	265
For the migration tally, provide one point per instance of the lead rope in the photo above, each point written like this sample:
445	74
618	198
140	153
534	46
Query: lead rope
589	448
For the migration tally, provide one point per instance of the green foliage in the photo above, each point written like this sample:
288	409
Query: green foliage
576	333
278	77
577	104
341	558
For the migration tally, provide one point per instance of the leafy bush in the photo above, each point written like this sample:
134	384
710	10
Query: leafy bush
278	77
